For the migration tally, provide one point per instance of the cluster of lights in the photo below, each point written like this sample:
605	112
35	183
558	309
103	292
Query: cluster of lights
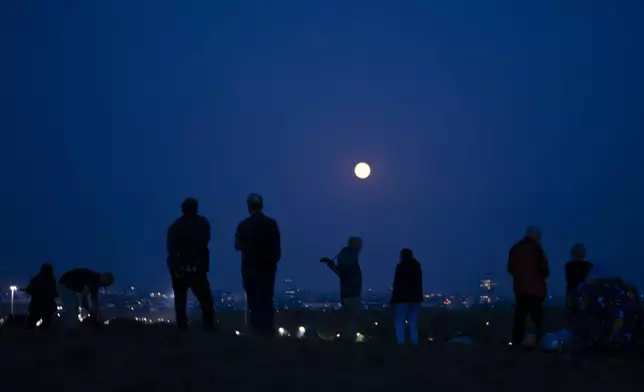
159	295
146	320
301	333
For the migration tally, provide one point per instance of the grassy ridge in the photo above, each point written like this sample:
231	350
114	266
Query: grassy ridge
134	357
485	325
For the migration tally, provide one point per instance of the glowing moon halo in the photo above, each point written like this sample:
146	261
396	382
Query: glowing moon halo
362	170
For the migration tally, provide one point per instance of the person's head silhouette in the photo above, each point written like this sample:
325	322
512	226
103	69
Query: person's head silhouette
255	203
190	206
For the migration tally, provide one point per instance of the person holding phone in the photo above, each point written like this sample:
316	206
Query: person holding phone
347	267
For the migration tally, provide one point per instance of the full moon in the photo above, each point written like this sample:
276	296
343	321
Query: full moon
362	170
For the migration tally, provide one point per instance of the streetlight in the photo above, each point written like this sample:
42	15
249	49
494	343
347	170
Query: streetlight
13	291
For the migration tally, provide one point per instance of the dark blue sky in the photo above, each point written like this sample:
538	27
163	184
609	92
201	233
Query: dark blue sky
477	117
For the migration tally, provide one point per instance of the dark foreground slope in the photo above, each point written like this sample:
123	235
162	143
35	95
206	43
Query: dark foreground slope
158	358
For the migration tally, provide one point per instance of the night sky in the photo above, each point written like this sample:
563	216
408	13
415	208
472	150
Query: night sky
478	119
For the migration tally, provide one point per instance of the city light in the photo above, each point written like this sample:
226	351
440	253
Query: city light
376	323
282	331
302	329
237	333
13	290
487	323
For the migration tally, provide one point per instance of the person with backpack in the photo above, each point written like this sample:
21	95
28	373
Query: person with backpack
407	296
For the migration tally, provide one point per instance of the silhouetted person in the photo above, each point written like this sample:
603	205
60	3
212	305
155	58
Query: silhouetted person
258	239
528	265
407	296
82	284
189	263
348	270
577	271
43	291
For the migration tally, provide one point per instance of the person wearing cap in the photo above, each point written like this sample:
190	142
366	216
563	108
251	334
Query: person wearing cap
189	264
528	266
348	270
258	239
78	286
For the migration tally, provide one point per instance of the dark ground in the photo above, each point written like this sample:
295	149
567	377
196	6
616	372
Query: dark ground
127	357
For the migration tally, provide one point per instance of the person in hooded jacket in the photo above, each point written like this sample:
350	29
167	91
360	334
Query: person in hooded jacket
43	291
407	296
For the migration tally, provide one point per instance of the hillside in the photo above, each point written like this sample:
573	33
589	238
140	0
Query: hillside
153	358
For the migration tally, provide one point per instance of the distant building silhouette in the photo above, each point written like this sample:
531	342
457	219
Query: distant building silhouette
487	285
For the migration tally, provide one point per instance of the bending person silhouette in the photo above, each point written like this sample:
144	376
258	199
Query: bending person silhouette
43	291
258	240
189	263
83	283
348	270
